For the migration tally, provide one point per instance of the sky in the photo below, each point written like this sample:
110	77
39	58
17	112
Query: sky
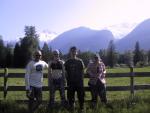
58	16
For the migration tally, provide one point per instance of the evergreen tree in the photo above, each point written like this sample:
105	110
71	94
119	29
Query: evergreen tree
45	52
111	54
148	53
121	59
103	55
17	57
9	55
85	56
144	57
128	55
29	44
2	53
137	53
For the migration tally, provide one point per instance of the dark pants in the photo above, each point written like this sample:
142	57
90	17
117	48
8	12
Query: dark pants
98	89
57	84
71	95
35	98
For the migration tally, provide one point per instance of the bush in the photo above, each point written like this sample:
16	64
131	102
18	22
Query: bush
140	64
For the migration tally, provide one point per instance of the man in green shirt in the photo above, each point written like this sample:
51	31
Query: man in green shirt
75	70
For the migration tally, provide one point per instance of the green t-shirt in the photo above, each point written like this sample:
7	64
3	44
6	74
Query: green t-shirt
74	69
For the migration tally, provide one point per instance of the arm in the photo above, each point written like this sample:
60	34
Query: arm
46	66
88	70
27	77
49	73
66	69
90	74
63	72
104	70
27	74
83	67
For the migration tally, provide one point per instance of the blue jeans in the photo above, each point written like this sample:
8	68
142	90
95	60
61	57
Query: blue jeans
71	95
99	89
57	84
35	98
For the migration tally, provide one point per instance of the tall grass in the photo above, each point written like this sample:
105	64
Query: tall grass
134	104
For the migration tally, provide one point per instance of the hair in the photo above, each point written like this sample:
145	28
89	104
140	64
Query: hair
98	56
73	48
56	51
37	52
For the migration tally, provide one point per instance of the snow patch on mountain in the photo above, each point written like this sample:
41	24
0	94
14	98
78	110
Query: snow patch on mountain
121	30
47	36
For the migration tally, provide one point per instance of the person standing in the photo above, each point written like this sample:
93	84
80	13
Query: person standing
34	80
75	69
97	83
56	76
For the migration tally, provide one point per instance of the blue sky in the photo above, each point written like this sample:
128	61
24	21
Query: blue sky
62	15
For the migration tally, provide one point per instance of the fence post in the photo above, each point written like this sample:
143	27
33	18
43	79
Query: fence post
132	81
5	81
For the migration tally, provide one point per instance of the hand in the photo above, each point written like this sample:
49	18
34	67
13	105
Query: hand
103	75
28	94
65	82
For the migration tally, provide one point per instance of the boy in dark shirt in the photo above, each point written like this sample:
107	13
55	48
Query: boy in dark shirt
75	69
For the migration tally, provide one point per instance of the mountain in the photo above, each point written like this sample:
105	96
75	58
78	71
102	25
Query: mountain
84	38
121	30
140	33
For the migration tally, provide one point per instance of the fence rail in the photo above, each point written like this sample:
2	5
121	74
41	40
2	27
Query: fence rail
132	87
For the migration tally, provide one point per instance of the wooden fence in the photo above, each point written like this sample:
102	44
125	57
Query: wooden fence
132	87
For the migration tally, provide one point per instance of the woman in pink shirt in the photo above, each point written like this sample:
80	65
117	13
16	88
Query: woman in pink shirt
97	83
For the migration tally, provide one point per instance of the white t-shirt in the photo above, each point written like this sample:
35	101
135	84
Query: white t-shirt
34	73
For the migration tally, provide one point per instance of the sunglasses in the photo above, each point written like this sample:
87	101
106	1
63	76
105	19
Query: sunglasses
38	55
56	54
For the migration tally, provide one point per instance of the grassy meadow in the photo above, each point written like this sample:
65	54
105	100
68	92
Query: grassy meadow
118	101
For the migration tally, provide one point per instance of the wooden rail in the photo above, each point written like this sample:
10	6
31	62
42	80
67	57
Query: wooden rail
132	87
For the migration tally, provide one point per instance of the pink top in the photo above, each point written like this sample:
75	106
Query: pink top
97	71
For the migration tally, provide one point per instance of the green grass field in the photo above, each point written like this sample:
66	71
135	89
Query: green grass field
119	100
110	81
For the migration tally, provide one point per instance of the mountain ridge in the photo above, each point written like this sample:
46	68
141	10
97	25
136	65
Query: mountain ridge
82	37
140	33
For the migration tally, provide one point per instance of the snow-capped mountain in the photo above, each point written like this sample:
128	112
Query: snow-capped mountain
140	33
94	40
47	36
85	39
121	30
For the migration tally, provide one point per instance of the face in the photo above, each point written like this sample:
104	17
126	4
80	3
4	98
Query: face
73	52
56	55
38	55
95	59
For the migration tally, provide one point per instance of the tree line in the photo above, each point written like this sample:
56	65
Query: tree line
17	56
